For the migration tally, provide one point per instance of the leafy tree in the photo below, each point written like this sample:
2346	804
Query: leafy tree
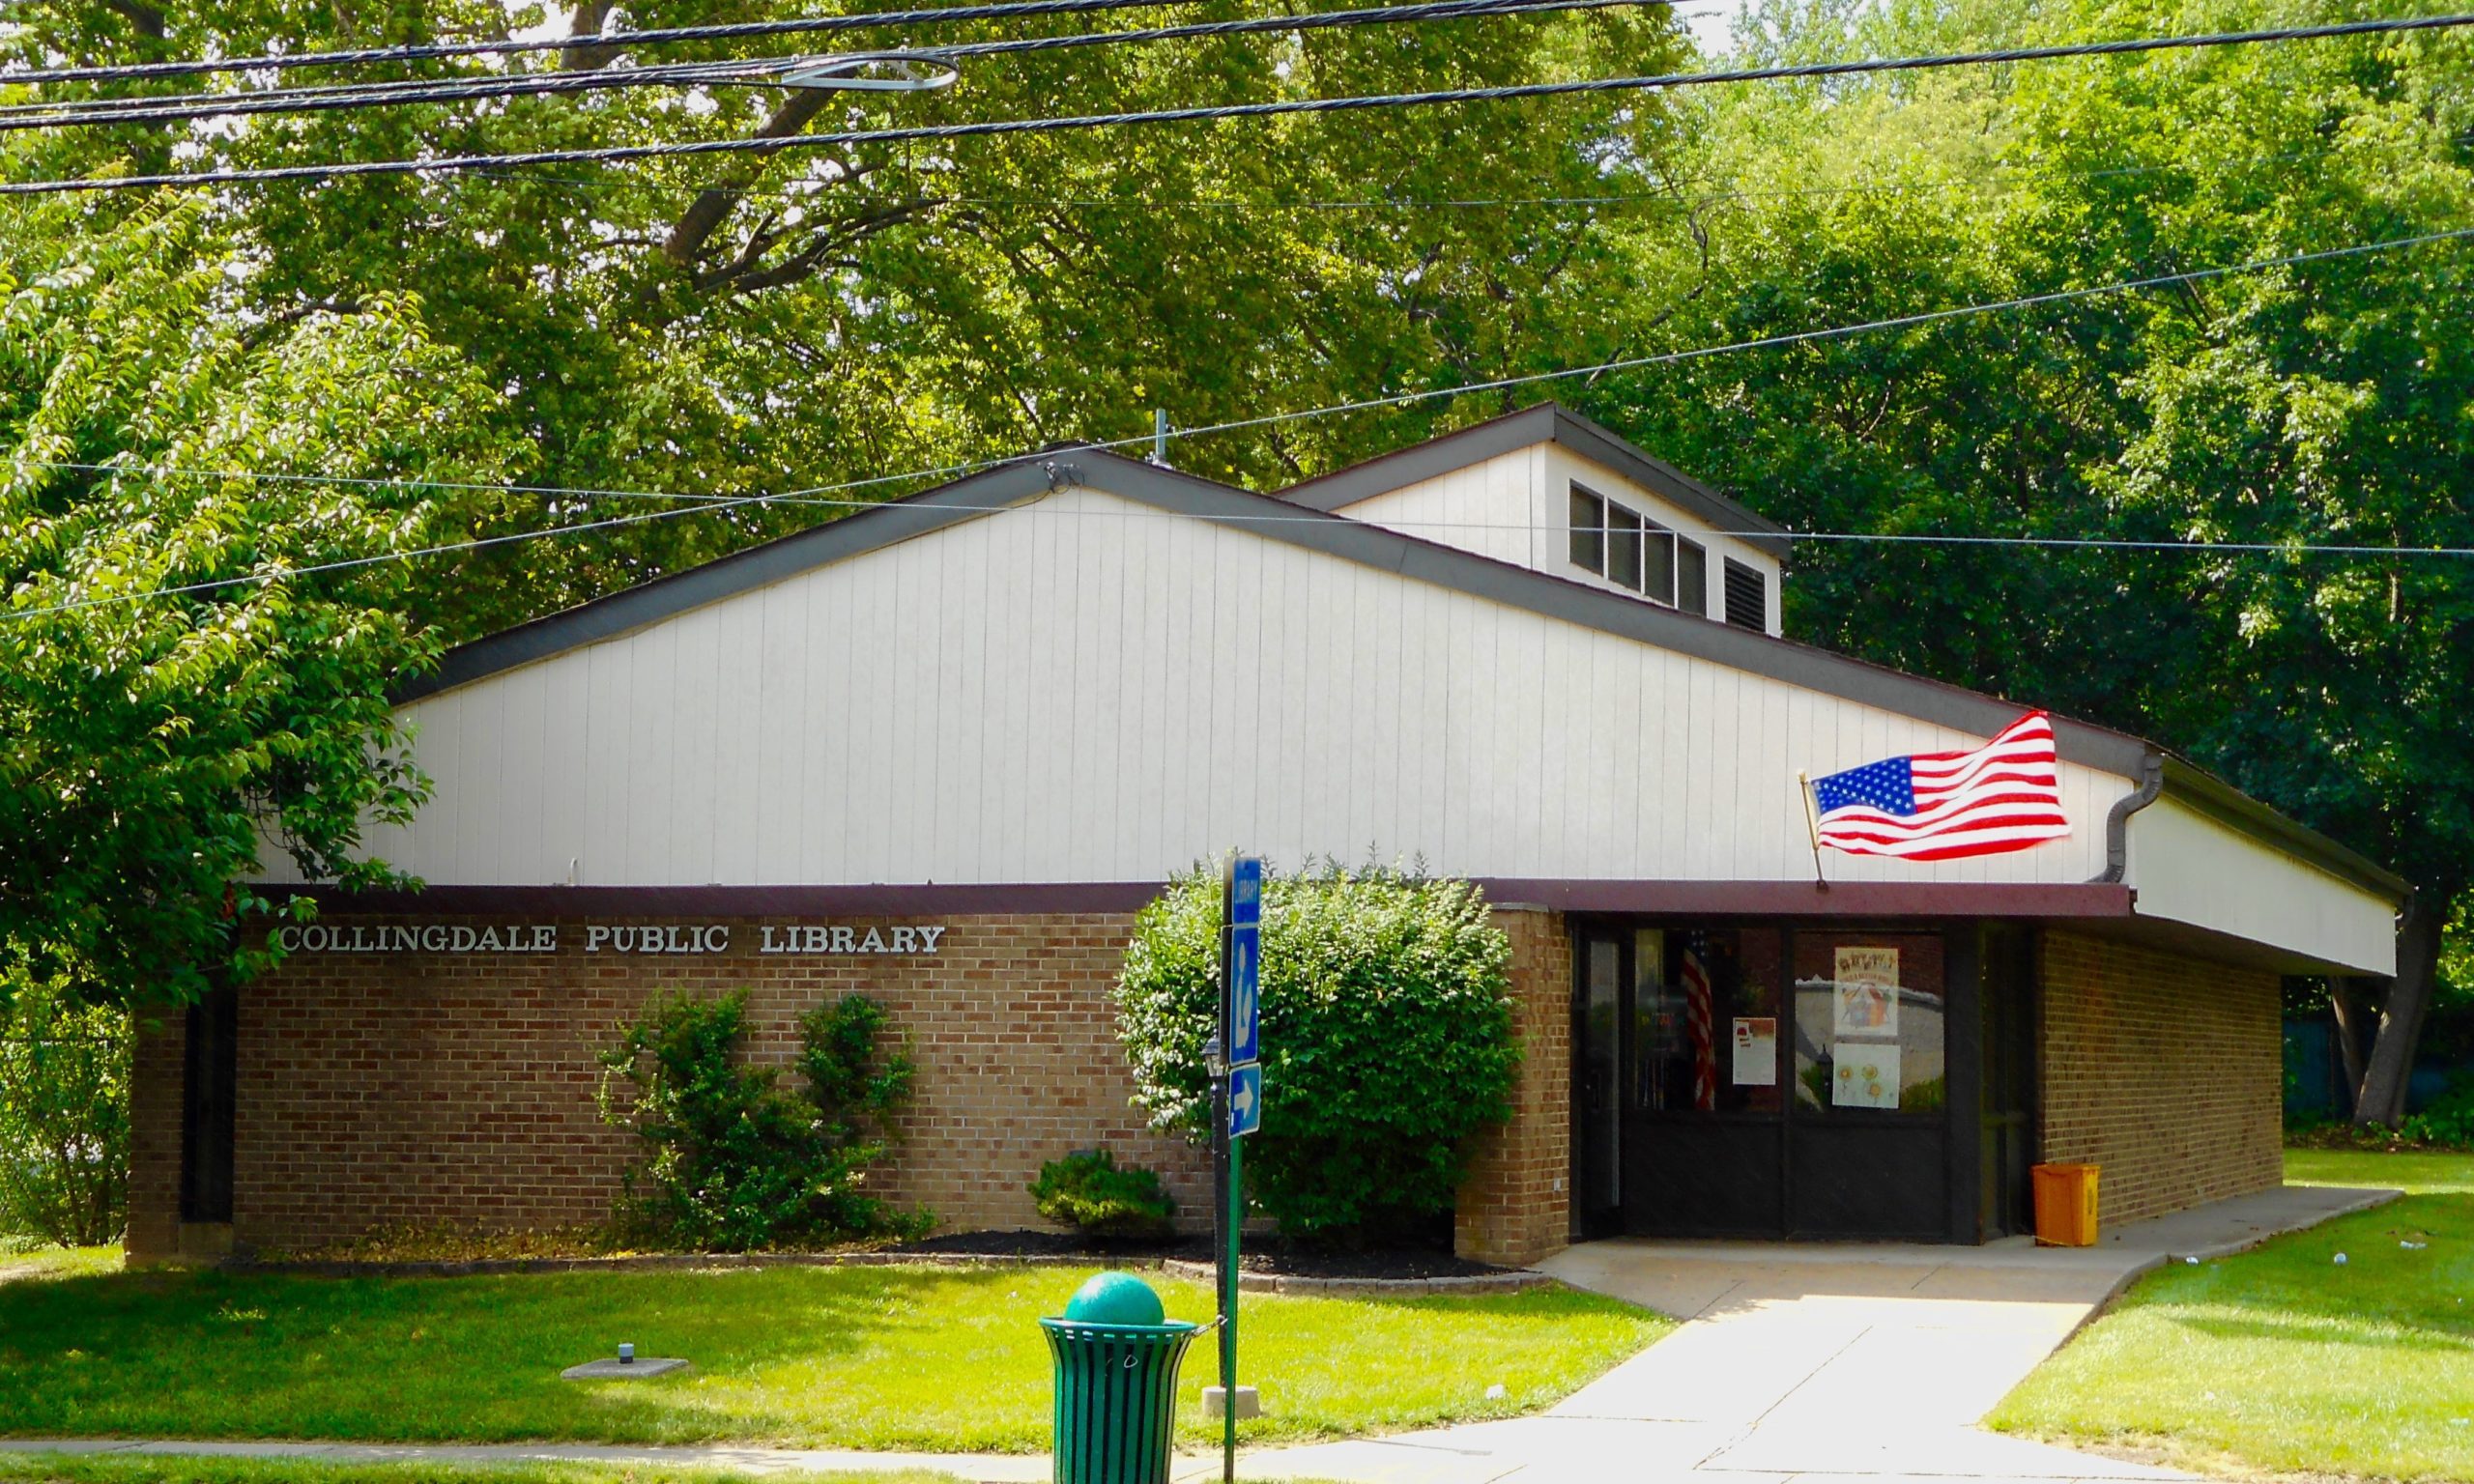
2319	405
64	1117
741	322
150	747
1378	988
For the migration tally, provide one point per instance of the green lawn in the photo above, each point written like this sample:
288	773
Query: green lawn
945	1360
56	1262
59	1468
2279	1358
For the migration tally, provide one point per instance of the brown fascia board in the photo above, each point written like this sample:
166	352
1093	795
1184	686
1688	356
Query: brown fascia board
1278	519
1549	422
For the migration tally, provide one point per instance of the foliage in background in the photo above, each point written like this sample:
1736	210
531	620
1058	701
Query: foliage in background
1088	1191
64	1117
738	323
1387	1036
147	746
2325	404
738	1161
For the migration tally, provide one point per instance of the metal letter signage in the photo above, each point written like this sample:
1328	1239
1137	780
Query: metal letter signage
365	937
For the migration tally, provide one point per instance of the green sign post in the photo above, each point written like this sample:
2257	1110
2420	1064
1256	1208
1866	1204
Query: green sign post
1240	1037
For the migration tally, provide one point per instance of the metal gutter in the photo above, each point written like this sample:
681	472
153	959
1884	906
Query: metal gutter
2151	783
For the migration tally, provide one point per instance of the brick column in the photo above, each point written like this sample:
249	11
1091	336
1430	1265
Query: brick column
1515	1205
157	1080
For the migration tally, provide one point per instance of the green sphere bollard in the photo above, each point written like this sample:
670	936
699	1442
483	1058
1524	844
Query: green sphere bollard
1117	1357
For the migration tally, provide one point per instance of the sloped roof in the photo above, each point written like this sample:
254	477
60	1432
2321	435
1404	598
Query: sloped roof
1549	422
1282	520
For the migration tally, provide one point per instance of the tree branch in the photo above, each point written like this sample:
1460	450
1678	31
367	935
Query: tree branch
147	19
711	206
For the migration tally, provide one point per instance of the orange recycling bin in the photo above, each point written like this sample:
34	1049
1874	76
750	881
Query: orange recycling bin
2065	1205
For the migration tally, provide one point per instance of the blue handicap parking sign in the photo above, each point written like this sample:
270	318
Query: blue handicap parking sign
1245	1099
1245	995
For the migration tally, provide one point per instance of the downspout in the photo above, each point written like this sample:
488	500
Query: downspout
2151	771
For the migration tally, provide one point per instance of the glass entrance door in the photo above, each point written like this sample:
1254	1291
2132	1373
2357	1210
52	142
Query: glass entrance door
1597	1084
2007	1143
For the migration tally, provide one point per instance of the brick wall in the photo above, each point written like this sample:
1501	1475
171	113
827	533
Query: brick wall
2166	1071
1514	1208
421	1088
155	1137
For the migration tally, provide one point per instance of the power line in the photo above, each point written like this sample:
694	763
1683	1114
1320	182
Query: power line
818	495
1686	193
598	41
1212	113
696	502
760	72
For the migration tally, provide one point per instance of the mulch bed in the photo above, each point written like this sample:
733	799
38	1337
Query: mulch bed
1266	1255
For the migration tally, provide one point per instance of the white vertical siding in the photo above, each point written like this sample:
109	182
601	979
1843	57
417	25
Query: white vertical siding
1515	508
2189	869
1086	689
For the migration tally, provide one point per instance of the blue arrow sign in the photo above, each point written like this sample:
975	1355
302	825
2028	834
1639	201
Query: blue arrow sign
1244	1037
1245	1099
1245	892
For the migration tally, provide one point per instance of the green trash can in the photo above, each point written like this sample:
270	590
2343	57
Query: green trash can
1116	1382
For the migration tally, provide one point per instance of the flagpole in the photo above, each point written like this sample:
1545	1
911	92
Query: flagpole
1812	826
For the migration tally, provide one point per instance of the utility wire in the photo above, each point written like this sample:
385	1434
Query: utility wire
605	41
1302	517
820	494
1207	114
1687	193
758	71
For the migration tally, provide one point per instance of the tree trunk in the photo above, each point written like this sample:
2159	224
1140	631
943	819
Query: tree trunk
2401	1021
2352	1020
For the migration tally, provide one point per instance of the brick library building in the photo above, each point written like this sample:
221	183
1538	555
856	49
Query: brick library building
941	751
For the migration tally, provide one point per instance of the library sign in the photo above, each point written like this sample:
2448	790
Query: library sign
601	938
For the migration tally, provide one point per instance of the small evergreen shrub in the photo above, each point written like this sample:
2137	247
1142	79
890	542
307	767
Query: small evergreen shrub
737	1160
1387	1027
1090	1192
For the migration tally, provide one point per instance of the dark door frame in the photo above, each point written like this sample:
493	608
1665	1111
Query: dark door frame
1962	1130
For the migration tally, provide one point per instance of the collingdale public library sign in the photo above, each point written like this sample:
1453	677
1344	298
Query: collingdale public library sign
598	938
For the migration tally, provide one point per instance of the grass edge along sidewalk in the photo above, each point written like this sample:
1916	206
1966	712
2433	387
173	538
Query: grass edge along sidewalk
893	1359
27	1467
2283	1360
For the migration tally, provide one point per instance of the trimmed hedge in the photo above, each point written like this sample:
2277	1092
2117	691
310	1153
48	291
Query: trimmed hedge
1387	1024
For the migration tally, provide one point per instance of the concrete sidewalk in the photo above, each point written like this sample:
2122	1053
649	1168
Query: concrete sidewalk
1820	1364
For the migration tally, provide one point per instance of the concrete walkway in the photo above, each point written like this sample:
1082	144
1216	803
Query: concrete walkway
1817	1364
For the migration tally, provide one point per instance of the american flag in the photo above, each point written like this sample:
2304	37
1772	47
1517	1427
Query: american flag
1698	1016
2004	796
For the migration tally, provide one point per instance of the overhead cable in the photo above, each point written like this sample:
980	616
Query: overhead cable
1212	113
820	494
599	41
755	71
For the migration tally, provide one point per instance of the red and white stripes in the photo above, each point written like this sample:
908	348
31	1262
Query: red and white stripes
2006	795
